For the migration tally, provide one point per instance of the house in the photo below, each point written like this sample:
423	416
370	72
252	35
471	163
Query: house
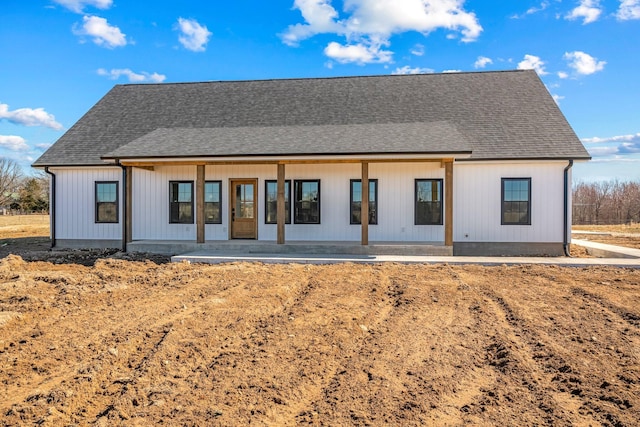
474	163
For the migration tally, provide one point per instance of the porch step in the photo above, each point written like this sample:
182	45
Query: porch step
174	247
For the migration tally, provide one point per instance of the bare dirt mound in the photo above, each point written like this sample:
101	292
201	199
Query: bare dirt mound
140	343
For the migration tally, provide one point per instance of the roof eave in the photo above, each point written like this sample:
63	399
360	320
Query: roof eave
538	158
303	156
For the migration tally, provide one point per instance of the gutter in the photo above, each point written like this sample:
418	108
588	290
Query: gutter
52	207
567	194
124	206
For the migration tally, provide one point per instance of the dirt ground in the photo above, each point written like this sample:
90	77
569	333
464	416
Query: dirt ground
137	343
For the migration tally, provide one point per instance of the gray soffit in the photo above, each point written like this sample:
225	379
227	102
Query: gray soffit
391	138
497	115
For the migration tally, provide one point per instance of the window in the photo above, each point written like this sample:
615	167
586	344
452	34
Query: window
356	201
428	209
307	201
107	201
181	202
212	202
516	201
271	202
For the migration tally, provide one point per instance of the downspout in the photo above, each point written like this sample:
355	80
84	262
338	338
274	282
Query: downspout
52	207
567	194
124	206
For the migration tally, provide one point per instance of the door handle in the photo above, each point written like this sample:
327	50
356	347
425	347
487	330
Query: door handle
233	214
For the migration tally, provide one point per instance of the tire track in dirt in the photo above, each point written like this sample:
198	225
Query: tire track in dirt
626	315
422	387
561	376
549	364
512	352
78	384
196	360
322	404
617	393
217	351
325	315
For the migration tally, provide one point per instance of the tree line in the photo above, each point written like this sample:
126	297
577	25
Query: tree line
606	202
602	202
20	193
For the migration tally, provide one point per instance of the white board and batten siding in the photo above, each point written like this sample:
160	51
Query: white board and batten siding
396	202
478	200
150	204
75	214
396	184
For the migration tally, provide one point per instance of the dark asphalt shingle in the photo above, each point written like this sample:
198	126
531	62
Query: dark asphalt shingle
508	114
439	137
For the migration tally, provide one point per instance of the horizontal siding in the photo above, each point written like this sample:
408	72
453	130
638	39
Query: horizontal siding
477	202
75	203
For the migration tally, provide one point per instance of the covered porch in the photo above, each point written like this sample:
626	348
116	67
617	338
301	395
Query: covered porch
281	243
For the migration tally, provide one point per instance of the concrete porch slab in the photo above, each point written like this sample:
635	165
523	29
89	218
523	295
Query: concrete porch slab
332	248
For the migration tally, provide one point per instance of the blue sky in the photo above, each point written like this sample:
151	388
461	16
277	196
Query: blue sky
59	57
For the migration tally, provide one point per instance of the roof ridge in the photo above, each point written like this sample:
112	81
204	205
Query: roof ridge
326	78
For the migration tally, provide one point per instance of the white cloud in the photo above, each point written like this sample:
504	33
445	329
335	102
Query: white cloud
557	98
102	33
482	62
359	53
531	62
613	145
43	146
617	138
194	36
13	143
583	63
532	10
319	16
588	10
29	117
451	71
417	50
563	75
369	24
140	77
79	5
629	9
408	70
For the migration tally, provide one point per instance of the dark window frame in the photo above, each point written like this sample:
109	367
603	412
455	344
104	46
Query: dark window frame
416	202
97	203
287	216
503	202
375	202
296	201
219	202
171	203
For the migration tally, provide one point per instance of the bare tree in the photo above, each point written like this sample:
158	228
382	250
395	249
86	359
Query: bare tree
583	203
608	202
10	179
603	191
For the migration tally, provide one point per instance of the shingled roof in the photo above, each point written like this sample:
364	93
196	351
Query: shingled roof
492	115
